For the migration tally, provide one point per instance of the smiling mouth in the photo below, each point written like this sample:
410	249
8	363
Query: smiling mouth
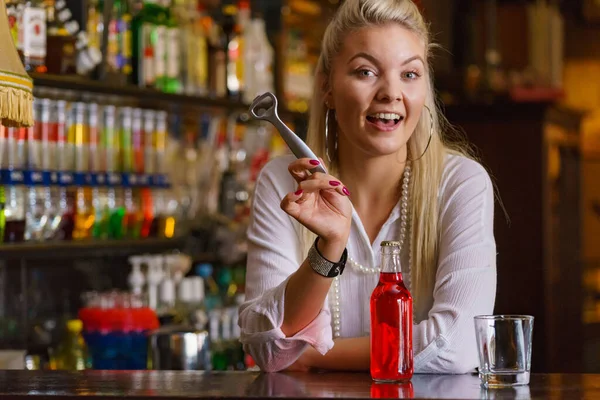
385	121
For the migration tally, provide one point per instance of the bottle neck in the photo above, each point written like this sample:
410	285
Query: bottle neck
391	268
390	261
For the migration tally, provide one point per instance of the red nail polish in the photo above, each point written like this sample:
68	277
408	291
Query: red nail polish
334	183
315	162
346	192
298	192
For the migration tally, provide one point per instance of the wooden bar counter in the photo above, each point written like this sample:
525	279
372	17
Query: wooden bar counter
240	385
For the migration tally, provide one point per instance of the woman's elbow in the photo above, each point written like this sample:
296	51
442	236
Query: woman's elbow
462	358
270	358
263	360
462	365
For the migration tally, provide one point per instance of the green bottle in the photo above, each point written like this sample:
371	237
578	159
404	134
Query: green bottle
173	83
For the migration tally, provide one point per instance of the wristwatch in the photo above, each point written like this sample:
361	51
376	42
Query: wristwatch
323	266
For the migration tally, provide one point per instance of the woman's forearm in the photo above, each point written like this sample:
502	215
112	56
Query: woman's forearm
306	291
348	354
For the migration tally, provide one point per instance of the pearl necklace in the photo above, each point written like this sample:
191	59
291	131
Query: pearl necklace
336	306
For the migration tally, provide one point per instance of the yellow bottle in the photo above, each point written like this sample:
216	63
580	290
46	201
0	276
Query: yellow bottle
71	353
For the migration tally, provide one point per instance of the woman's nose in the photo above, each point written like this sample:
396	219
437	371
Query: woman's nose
390	91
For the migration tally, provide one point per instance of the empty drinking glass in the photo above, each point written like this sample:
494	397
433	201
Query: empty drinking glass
504	345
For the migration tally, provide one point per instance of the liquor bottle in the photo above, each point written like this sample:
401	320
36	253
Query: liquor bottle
173	81
33	29
147	45
160	45
14	208
125	37
111	158
12	12
63	163
391	321
200	62
79	135
217	65
112	48
232	52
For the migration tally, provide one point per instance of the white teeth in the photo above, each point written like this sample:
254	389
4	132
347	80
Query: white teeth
385	116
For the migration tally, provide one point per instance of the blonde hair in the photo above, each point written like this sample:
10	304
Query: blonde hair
426	171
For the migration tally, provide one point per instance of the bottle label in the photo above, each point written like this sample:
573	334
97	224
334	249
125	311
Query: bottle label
34	32
13	177
173	59
52	176
113	179
65	178
160	50
33	177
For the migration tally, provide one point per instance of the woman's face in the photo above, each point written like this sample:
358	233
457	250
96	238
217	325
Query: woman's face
377	87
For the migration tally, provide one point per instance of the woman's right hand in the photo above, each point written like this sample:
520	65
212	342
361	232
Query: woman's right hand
320	203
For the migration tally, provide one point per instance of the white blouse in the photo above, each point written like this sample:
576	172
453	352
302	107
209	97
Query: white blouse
443	340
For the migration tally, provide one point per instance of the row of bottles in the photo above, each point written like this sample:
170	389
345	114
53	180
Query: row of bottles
58	213
174	46
99	170
87	137
83	171
49	39
177	47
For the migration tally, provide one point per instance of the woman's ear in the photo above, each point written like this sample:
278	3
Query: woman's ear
326	90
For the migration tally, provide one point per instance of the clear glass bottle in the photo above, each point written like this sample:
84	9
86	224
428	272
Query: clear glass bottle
63	163
14	209
391	321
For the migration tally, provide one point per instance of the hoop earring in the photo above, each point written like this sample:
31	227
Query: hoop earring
430	135
327	138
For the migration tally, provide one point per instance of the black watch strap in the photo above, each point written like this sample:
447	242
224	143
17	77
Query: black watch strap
323	266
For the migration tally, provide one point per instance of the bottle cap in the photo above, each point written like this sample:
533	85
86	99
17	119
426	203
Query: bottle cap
74	325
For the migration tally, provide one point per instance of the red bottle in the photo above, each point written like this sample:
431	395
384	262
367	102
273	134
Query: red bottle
391	321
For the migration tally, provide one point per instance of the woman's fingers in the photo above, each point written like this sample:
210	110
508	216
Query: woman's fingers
322	182
290	203
300	168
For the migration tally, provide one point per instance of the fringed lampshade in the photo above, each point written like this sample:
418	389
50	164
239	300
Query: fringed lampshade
16	87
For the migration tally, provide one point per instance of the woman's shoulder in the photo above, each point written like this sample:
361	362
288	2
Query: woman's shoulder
463	172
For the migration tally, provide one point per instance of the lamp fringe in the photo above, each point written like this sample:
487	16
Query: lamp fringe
16	100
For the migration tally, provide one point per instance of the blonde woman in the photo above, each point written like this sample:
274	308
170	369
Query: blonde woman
314	238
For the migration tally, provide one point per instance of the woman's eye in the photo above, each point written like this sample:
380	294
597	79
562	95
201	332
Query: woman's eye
411	75
365	73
